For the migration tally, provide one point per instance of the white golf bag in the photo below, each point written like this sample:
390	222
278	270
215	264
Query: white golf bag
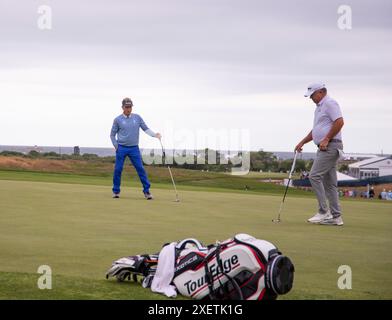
240	268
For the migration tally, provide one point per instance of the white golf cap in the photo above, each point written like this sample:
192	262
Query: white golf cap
314	87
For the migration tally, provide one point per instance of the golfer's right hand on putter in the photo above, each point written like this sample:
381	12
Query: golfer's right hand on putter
298	147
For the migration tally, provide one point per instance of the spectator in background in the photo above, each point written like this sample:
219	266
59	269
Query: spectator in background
389	195
354	193
384	194
340	193
371	193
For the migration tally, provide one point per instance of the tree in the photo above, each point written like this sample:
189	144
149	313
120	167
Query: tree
261	160
300	165
51	154
90	156
343	167
34	154
11	153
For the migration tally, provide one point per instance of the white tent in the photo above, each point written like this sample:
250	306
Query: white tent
369	168
344	177
340	176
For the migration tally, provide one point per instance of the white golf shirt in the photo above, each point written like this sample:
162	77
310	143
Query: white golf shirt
326	113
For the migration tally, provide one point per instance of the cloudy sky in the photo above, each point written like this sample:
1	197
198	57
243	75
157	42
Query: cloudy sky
235	68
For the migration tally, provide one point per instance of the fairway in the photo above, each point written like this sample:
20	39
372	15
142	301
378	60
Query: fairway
78	230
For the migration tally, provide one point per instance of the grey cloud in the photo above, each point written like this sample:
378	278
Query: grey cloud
220	47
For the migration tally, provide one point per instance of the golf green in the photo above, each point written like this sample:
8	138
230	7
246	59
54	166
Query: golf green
78	230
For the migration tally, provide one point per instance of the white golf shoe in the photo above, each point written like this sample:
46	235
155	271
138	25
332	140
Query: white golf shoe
318	217
338	221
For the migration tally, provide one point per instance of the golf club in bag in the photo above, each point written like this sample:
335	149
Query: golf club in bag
171	175
287	187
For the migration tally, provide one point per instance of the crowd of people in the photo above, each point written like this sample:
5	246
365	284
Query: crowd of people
384	195
353	193
371	194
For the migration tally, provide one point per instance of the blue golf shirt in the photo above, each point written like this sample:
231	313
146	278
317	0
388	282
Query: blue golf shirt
127	130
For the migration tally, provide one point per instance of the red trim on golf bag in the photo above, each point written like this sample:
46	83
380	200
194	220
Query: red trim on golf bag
222	272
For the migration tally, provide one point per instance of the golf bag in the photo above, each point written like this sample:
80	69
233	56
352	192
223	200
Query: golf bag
240	268
133	266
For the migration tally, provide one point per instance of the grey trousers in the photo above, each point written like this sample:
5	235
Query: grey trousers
324	180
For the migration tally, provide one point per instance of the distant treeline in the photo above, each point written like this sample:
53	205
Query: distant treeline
53	155
259	161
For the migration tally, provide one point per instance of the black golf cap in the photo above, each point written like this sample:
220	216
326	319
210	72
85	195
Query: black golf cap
127	102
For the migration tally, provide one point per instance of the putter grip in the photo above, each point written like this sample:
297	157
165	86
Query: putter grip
293	165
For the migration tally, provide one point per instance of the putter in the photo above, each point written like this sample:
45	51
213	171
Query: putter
287	187
171	175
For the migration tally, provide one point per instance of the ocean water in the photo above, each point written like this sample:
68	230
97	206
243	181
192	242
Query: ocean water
104	152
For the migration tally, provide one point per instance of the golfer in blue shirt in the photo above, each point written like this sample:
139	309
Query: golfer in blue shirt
126	128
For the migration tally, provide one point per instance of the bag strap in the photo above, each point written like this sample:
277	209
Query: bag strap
209	277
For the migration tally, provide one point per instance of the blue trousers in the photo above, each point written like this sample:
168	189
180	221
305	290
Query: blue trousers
133	153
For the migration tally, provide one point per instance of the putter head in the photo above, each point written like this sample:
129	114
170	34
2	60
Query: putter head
276	220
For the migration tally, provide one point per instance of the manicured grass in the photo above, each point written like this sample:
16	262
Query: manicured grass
159	177
98	172
78	230
17	285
